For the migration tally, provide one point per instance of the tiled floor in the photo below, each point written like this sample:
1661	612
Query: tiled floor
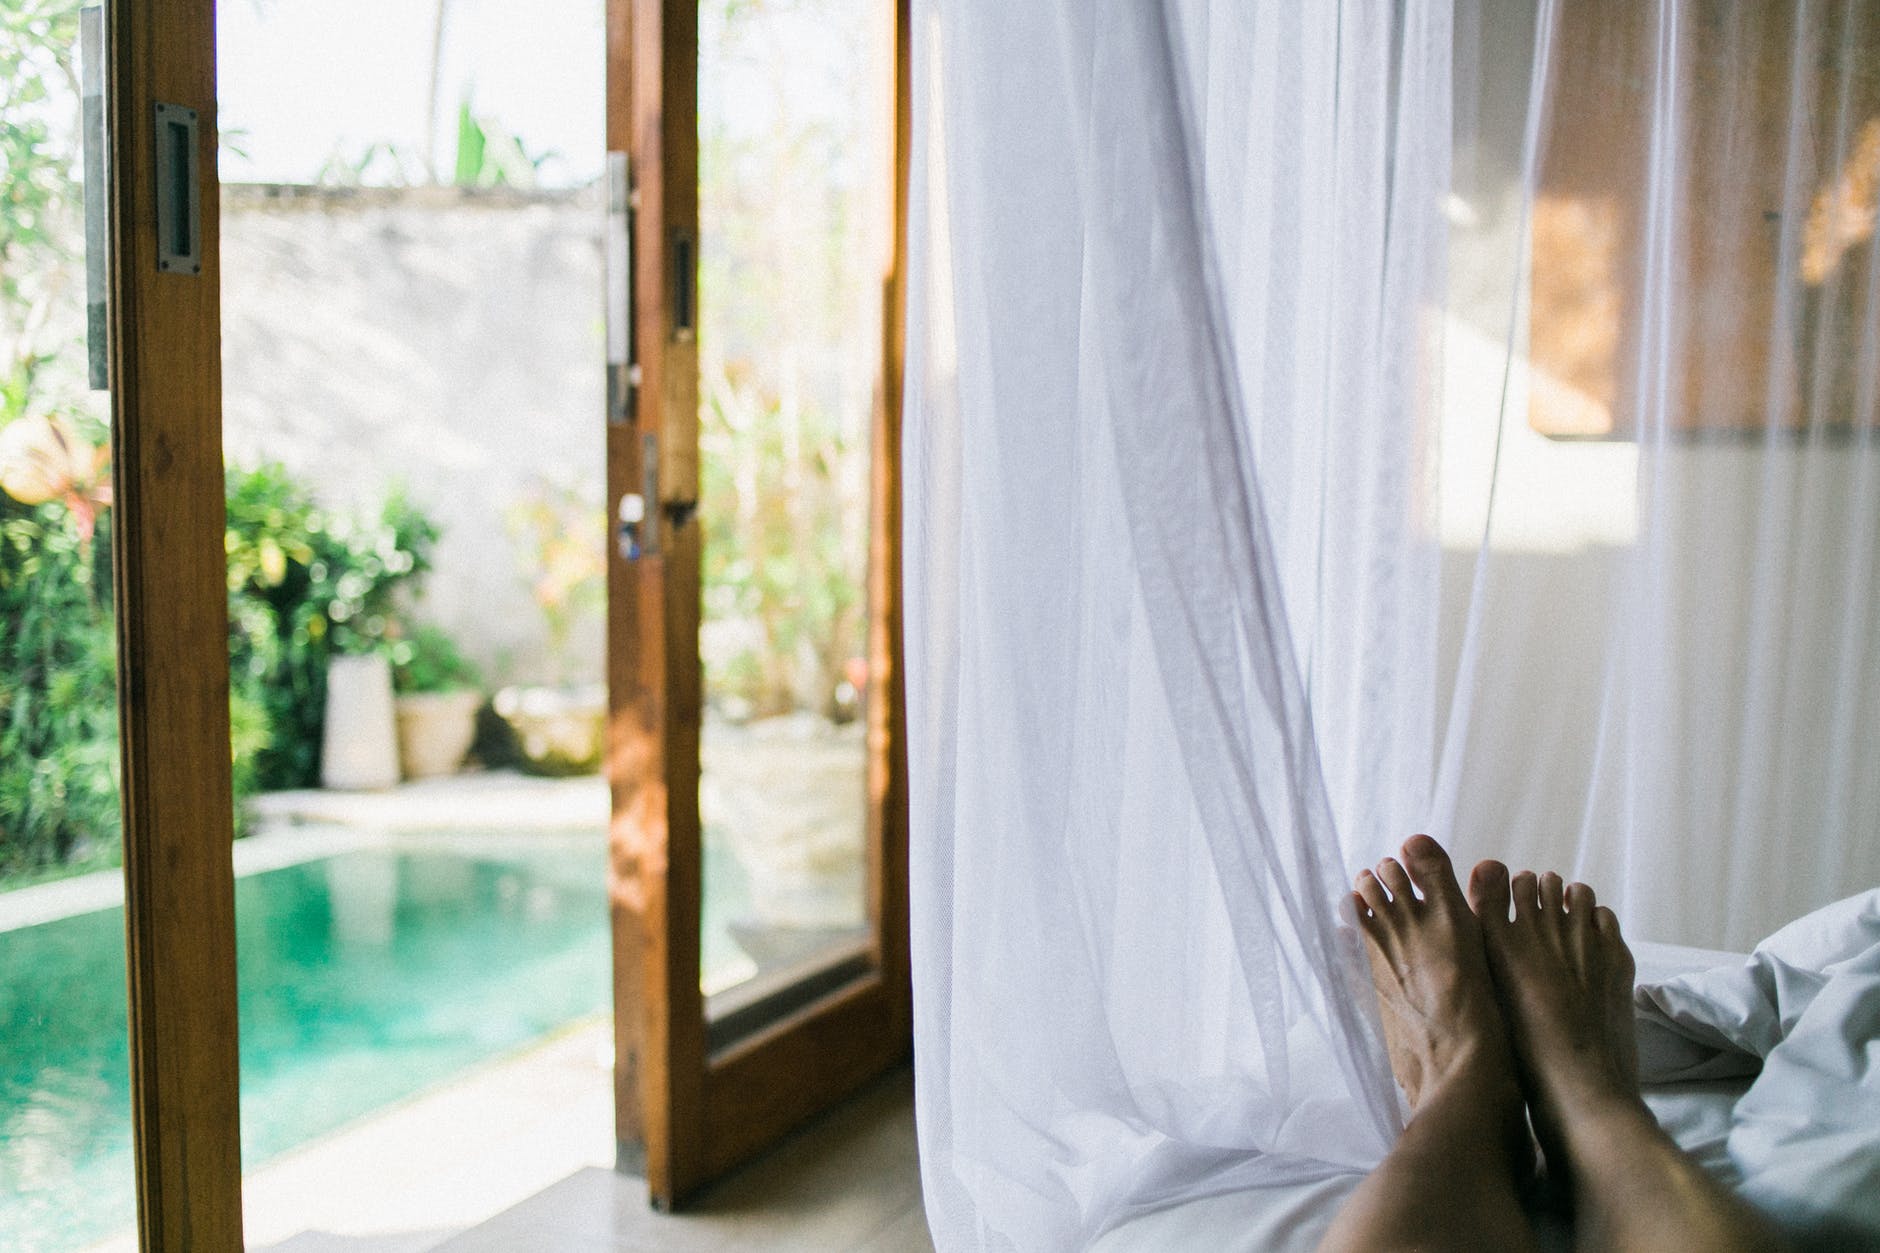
849	1183
411	1176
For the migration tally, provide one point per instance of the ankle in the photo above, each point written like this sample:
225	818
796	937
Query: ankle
1479	1068
1607	1132
1480	1087
1610	1110
1587	1085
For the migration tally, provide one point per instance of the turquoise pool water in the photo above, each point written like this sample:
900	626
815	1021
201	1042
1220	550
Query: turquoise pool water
364	978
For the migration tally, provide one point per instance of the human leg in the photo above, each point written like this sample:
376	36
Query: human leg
1564	977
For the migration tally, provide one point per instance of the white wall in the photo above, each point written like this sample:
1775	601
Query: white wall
1737	783
450	339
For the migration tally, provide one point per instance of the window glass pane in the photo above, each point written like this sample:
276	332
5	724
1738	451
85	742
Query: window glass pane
413	420
66	1178
795	110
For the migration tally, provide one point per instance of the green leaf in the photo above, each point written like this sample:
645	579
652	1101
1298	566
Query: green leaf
471	143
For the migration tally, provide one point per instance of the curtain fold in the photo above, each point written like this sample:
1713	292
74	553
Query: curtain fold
1260	512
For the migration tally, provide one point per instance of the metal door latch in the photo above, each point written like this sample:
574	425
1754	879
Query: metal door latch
637	513
632	518
641	515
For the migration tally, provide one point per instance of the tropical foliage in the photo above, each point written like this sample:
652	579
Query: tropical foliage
789	354
305	584
58	708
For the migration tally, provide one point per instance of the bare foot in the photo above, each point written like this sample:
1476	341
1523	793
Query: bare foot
1442	1023
1564	976
1452	1180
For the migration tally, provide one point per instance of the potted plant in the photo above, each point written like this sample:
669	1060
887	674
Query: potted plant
369	563
439	693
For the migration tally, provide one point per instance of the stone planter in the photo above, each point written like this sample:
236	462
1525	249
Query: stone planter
435	730
788	796
560	730
359	745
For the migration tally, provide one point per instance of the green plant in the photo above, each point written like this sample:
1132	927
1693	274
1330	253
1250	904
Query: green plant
277	551
42	238
375	560
428	660
38	45
781	560
305	584
58	707
249	736
787	353
381	164
58	700
490	156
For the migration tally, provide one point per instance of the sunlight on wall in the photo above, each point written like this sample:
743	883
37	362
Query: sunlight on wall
1551	496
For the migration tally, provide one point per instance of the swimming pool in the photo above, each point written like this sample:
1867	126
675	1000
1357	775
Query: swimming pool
364	978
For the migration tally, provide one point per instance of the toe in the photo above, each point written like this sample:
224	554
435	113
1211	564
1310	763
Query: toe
1618	955
1430	870
1361	908
1395	879
1580	901
1488	891
1371	892
1552	892
1527	900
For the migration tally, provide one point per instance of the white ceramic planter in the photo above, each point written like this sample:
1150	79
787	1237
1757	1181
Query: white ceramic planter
435	730
359	748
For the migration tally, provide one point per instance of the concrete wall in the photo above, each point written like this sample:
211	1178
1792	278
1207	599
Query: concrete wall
448	339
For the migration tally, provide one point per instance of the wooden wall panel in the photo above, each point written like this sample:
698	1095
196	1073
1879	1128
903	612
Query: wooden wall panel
1768	126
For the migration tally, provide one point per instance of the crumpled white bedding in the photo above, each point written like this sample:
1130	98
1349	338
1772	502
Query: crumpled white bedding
1766	1068
1799	1020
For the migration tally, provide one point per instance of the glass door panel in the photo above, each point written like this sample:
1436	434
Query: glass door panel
759	837
796	106
66	1173
412	419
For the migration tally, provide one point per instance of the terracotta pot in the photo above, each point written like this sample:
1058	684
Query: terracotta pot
435	730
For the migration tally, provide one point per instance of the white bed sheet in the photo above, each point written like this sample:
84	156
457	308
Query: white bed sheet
1282	1219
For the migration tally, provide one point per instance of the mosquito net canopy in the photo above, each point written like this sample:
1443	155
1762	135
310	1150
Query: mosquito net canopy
1329	421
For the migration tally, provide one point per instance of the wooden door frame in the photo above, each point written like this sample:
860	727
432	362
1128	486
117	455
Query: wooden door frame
171	586
687	1112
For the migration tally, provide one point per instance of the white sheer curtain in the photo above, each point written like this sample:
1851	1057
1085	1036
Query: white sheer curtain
1241	541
